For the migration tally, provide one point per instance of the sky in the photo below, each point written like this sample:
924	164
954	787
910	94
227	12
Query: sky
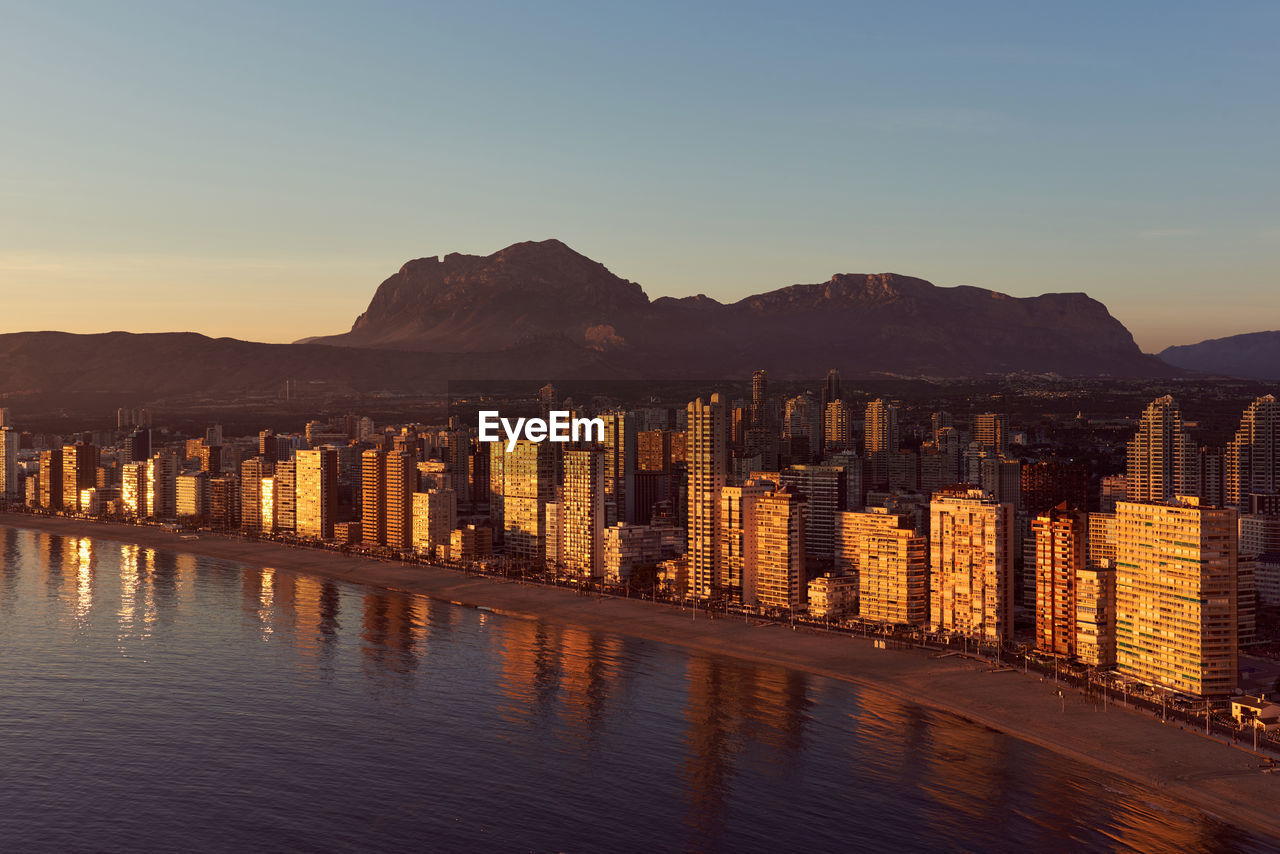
256	169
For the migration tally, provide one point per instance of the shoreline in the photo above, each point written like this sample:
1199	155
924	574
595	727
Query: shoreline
1218	779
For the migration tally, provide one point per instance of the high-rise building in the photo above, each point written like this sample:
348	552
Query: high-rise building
553	528
497	462
880	429
286	495
435	515
1114	488
1096	615
224	502
653	451
79	472
51	480
1252	458
1002	478
991	431
825	490
252	472
192	496
373	497
400	483
836	431
161	500
971	564
759	397
620	452
528	484
708	461
1176	595
1060	556
831	388
891	562
317	492
1161	456
1048	483
780	551
133	488
582	520
211	460
737	533
8	463
628	548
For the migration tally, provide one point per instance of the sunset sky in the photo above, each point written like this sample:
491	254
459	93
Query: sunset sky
256	169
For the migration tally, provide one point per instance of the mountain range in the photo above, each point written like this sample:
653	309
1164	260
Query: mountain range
862	324
539	310
1254	355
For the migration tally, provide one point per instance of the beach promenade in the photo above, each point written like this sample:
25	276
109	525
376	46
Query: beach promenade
1222	780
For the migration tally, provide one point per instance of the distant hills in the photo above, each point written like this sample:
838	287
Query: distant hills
539	310
1255	355
861	324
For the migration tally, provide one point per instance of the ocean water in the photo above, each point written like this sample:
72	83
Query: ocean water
158	701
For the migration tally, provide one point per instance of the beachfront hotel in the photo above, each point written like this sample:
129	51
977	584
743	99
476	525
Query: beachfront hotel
971	564
1176	595
891	562
737	533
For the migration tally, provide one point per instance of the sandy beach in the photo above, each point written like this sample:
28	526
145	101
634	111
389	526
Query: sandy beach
1222	780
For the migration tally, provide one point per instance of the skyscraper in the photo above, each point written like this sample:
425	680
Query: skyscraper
1161	456
880	428
831	388
400	482
1252	458
317	492
79	471
780	551
286	495
528	484
373	491
737	533
8	463
582	512
1176	595
252	472
971	564
1060	556
707	453
825	490
51	480
620	453
759	396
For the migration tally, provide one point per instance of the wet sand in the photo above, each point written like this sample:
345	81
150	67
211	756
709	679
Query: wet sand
1222	780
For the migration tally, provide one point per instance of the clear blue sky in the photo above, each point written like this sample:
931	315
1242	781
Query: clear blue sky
256	169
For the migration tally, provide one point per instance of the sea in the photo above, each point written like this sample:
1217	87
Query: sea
153	700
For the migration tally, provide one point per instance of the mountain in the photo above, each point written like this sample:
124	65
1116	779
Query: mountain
860	323
1254	355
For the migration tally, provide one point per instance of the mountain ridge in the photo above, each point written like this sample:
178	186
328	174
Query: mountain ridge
873	322
1252	355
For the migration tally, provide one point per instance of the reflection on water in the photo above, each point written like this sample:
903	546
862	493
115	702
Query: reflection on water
258	704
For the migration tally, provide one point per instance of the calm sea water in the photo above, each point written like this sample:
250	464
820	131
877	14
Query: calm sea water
156	701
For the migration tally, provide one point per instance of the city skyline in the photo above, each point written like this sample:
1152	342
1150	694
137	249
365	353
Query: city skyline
167	169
